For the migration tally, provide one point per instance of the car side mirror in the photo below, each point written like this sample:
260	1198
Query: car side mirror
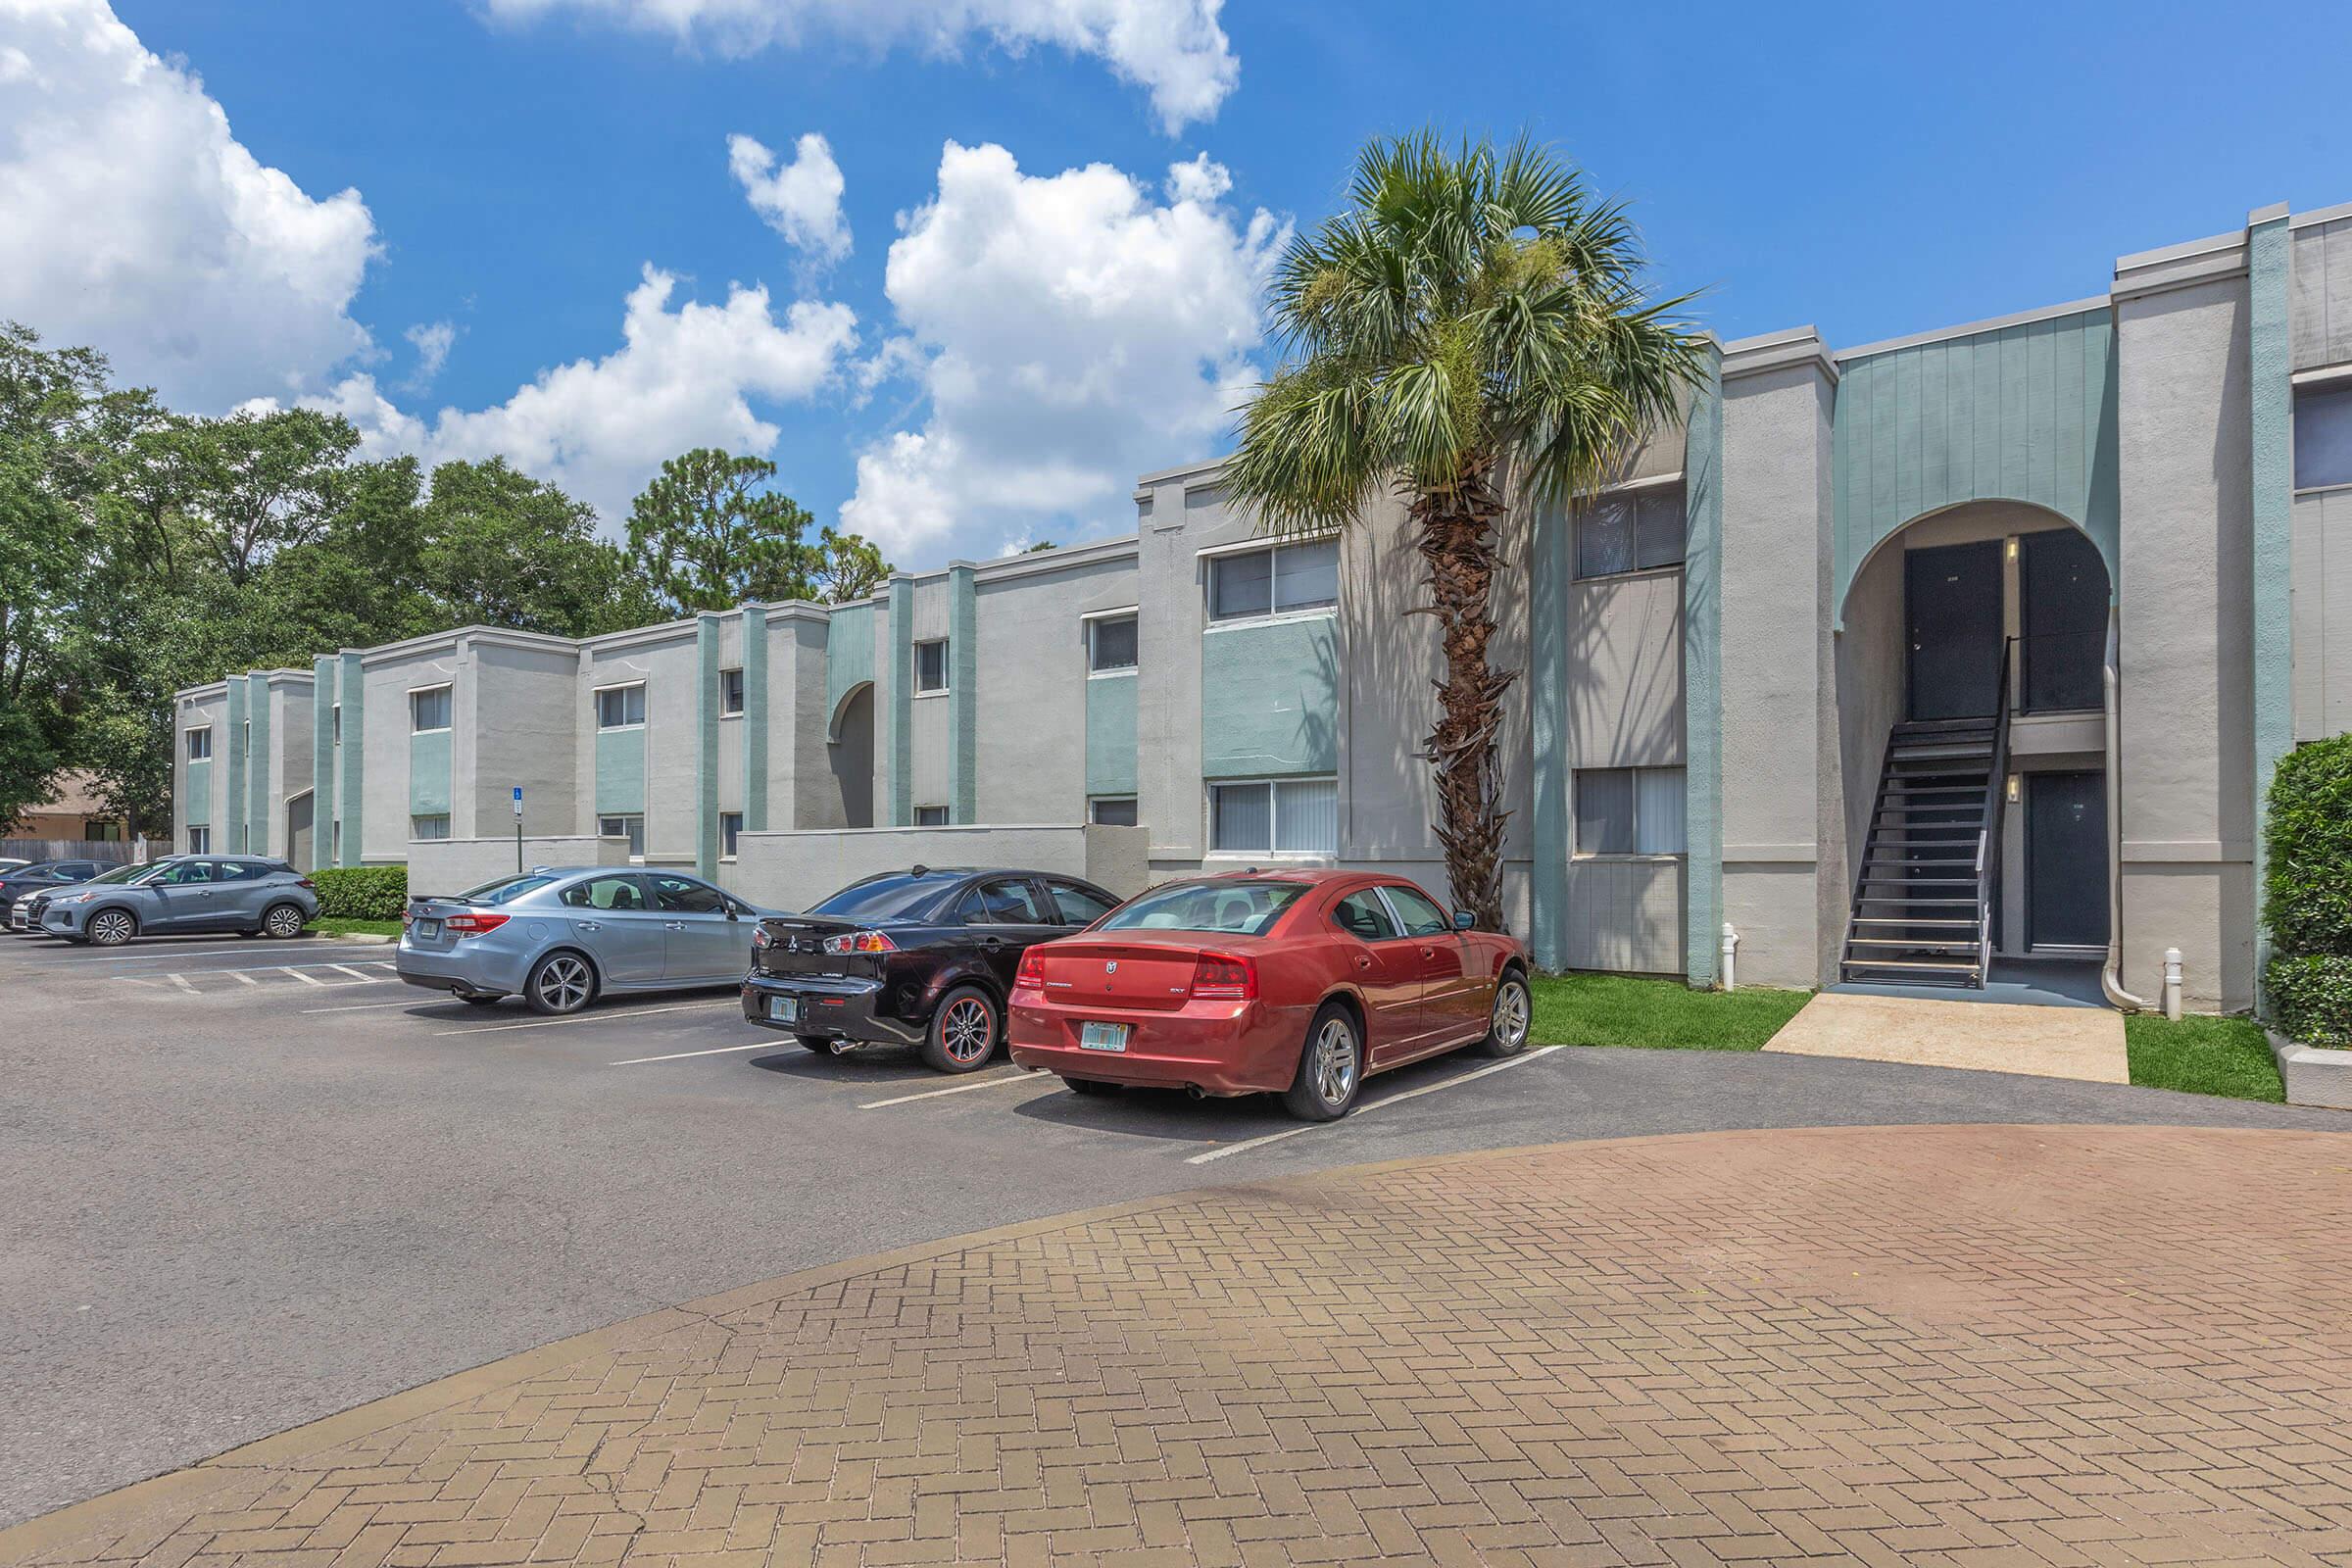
1464	920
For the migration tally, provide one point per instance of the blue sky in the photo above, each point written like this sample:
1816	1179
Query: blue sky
1873	170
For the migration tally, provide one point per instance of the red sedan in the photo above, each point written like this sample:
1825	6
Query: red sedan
1292	982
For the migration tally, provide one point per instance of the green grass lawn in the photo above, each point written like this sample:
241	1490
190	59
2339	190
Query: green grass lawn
1614	1010
2202	1057
350	928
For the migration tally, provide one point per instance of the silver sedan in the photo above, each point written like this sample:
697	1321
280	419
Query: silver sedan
561	937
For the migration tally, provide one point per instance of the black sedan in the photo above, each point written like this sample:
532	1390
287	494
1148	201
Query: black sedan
922	957
42	876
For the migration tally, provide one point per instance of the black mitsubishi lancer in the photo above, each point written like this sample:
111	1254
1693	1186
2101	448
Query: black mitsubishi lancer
922	957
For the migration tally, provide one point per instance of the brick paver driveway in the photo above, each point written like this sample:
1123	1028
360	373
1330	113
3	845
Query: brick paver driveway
1916	1345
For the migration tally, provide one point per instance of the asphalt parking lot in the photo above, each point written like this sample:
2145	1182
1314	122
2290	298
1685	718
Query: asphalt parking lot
252	1182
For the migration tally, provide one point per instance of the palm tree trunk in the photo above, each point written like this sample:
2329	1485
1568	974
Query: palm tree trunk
1457	529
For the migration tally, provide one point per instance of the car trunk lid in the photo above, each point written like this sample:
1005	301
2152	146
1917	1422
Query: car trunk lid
1112	972
795	946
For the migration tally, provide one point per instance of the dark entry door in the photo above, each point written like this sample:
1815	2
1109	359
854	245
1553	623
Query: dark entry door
2062	612
1952	607
2066	860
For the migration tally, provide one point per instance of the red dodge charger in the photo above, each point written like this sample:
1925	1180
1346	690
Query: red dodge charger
1291	982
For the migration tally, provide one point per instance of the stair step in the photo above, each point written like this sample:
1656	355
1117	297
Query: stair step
1946	965
1906	945
1930	726
1906	919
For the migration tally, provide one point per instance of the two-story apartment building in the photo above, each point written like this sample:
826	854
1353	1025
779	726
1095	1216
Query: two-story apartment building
1896	660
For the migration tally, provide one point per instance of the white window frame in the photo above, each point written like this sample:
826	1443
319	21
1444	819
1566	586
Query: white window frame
415	692
725	852
946	816
193	730
1633	489
200	838
1094	620
596	706
1209	821
1576	848
2327	378
742	690
441	817
335	720
636	839
1094	801
1207	558
946	667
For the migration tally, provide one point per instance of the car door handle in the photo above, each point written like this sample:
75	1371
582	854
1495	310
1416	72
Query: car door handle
992	943
590	925
673	925
1429	952
1363	961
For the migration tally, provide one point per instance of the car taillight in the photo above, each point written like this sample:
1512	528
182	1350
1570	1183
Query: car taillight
861	942
305	882
474	926
406	915
761	937
1222	977
1031	975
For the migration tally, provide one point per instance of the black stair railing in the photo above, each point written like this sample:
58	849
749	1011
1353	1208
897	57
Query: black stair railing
1989	836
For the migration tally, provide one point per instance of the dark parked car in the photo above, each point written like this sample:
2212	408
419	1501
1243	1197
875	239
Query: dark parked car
42	875
921	957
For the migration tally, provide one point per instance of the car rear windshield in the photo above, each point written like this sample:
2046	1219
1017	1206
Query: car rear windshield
903	897
1235	908
506	890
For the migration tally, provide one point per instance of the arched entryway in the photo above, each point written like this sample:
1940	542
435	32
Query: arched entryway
1970	668
850	747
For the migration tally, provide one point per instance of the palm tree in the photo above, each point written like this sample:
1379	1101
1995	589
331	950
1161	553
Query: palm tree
1470	332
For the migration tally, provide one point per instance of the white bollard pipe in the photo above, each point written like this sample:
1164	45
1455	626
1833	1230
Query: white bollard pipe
1731	949
2171	983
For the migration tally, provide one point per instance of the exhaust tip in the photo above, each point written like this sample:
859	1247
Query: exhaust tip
1196	1092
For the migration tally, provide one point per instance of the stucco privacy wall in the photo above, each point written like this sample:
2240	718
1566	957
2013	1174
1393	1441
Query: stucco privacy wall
796	870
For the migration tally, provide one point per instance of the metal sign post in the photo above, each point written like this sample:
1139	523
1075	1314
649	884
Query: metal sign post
518	829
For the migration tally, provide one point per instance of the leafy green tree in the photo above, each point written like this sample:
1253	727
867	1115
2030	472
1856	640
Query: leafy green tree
707	533
1472	331
849	568
253	484
507	550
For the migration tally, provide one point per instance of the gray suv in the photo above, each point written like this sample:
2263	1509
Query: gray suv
181	896
561	937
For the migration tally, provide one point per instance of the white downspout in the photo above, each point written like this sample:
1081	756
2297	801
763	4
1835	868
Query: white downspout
2111	983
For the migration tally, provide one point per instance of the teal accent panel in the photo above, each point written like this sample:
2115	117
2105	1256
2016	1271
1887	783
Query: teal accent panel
1111	735
351	758
963	695
755	718
1551	566
428	776
323	759
196	804
898	737
2022	413
2270	357
848	655
706	744
1270	699
261	804
619	771
232	840
1702	680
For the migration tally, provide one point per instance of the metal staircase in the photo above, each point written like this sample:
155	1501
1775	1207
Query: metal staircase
1930	877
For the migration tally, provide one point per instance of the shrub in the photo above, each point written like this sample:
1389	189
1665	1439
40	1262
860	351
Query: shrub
362	892
2307	893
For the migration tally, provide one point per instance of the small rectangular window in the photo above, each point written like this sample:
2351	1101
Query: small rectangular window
200	841
1285	816
1631	530
428	710
930	668
2324	435
1281	579
199	745
335	719
1629	810
429	827
621	707
1111	646
730	833
1111	810
630	826
1241	585
730	692
930	816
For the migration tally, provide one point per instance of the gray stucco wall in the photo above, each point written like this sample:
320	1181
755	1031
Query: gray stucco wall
2320	295
524	732
2322	596
1033	695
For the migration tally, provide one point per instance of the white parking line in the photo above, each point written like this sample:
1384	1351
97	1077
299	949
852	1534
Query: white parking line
243	968
287	969
181	980
587	1018
681	1055
244	978
354	973
374	1007
166	957
1017	1075
1537	1055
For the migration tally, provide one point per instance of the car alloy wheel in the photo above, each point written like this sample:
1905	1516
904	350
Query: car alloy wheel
283	920
1335	1061
1330	1068
111	928
1507	1025
963	1032
562	984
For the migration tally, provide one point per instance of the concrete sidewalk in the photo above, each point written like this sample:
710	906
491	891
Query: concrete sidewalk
2085	1043
1927	1345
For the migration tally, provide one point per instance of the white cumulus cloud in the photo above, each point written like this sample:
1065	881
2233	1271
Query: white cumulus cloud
1173	49
432	341
1070	332
600	427
131	220
800	197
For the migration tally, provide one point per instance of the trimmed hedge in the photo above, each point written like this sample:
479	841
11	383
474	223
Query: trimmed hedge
2307	893
362	892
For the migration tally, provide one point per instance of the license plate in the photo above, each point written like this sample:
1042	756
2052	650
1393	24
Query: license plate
426	930
784	1010
1102	1036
